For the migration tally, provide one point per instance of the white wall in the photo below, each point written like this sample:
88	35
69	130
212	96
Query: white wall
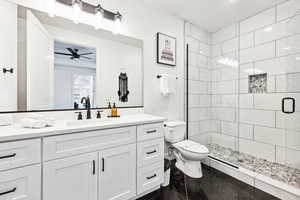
143	22
8	56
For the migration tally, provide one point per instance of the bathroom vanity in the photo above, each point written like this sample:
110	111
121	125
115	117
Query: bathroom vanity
116	159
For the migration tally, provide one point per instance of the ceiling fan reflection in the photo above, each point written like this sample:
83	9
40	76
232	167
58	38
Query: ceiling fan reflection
74	54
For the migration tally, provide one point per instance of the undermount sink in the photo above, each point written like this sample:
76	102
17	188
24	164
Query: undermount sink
87	122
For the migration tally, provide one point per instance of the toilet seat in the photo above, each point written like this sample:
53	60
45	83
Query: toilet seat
191	146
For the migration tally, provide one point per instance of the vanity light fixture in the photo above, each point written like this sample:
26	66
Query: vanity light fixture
117	25
77	5
98	11
99	16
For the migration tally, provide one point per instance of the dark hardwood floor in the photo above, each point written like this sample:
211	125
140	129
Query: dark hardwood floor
214	185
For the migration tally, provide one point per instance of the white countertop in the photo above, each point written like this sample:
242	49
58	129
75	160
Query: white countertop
17	132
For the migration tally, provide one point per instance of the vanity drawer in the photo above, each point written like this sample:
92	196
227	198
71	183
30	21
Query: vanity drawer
20	153
22	183
77	143
150	152
149	177
149	131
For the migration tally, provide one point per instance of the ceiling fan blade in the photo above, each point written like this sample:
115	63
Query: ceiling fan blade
64	54
85	57
71	50
82	54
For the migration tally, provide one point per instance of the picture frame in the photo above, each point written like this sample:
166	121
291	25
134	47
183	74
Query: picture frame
166	49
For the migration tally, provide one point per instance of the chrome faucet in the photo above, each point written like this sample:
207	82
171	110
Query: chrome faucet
87	105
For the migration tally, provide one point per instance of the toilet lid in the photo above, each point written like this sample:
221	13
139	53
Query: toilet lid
193	147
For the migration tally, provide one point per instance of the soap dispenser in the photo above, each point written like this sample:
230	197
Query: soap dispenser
114	111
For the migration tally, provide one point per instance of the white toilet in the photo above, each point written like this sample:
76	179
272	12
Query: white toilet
188	153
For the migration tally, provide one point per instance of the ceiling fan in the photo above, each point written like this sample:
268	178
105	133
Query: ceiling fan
74	54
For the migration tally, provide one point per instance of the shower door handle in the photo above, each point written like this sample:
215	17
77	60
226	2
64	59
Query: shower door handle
283	103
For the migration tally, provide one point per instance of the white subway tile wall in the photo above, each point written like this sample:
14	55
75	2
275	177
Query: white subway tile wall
221	105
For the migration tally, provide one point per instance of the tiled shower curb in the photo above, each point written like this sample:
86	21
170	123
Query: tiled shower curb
264	183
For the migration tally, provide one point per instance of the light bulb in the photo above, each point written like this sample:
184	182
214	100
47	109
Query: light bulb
117	25
76	11
99	19
51	6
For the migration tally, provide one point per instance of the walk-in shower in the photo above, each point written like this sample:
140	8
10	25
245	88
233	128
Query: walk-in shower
243	91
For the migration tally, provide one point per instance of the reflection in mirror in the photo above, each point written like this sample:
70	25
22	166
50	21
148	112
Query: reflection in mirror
75	75
58	64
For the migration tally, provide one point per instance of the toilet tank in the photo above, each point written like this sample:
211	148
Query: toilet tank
174	131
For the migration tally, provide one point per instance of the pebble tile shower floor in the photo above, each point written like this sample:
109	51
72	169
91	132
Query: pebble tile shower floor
276	171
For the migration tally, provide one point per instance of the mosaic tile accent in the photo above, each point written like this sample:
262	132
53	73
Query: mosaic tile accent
276	171
258	83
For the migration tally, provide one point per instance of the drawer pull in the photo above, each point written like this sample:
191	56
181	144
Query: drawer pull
154	131
151	152
9	191
8	156
151	177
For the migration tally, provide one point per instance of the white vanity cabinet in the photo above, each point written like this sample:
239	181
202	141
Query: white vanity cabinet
112	164
109	164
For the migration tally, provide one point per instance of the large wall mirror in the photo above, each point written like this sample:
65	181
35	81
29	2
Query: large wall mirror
56	63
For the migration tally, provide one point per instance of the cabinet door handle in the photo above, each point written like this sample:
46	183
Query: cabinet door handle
151	152
151	177
10	70
9	191
103	164
8	156
153	131
94	167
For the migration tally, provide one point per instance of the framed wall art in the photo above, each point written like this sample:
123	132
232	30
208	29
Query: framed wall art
166	49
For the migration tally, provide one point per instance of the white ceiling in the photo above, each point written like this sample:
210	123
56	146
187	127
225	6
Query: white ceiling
212	15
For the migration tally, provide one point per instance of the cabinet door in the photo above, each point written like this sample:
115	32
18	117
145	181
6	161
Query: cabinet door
71	178
117	179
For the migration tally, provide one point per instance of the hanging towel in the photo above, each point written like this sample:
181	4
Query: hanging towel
168	84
